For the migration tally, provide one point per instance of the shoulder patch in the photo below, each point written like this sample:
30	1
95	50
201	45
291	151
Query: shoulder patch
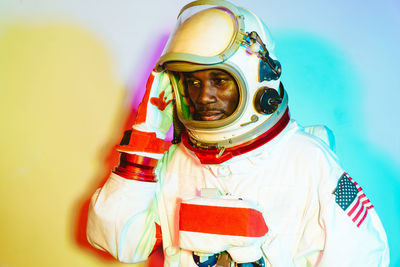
351	198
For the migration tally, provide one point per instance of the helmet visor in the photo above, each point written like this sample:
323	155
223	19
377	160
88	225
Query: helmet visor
209	98
204	34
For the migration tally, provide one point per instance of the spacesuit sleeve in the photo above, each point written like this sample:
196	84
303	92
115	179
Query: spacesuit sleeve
123	219
354	235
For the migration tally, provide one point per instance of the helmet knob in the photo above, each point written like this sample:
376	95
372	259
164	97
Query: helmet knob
267	100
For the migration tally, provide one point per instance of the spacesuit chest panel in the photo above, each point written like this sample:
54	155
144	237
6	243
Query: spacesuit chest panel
284	189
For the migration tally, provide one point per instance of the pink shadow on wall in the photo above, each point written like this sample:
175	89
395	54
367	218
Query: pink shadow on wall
110	159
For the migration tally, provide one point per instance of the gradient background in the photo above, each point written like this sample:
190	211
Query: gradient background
72	74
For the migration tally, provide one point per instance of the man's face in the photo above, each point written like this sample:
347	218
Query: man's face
213	93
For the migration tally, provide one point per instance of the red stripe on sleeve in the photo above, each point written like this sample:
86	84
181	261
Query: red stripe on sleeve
365	215
365	202
358	213
354	207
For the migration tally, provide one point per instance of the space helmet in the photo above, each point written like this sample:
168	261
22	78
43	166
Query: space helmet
216	34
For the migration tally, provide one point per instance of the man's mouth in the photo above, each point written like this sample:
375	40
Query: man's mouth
211	115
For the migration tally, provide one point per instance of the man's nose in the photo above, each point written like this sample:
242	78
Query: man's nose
207	93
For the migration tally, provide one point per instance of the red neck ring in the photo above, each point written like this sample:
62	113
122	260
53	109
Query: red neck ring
210	156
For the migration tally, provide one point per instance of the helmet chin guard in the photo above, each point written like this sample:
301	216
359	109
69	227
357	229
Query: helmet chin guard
216	34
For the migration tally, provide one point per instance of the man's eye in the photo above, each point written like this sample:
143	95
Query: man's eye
219	81
195	83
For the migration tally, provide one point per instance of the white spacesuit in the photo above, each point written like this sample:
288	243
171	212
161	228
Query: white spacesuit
251	188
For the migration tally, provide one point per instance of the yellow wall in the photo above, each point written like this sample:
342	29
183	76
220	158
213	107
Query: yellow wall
62	112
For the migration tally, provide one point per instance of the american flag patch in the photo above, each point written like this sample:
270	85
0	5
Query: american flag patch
351	198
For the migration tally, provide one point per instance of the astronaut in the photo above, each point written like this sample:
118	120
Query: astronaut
244	184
